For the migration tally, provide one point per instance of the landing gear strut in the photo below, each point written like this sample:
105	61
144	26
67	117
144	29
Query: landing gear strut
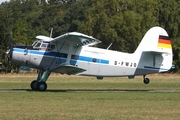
40	83
145	80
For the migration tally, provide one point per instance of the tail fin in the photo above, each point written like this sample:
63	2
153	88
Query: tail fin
155	50
155	40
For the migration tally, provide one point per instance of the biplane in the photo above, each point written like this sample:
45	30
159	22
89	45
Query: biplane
73	53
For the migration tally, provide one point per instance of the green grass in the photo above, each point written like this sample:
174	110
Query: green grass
61	103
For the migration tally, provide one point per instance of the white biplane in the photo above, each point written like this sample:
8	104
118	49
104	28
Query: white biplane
72	53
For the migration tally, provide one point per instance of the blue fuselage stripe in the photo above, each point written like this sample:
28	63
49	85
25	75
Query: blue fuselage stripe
155	68
63	55
73	62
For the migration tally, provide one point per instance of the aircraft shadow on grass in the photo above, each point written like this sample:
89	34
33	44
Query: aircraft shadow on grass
81	90
92	90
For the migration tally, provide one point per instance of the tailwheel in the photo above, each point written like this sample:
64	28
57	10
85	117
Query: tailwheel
146	80
42	86
34	85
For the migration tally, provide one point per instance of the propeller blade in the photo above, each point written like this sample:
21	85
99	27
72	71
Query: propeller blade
9	52
10	40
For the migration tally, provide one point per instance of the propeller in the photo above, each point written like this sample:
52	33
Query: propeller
10	39
9	51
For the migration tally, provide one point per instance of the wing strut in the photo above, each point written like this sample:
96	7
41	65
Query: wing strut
56	54
109	46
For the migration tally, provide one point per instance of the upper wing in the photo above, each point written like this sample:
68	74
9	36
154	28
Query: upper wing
78	39
44	38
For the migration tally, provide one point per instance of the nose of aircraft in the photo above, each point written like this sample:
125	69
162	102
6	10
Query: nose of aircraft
8	55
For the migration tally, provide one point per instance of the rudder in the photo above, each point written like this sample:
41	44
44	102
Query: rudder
155	50
156	39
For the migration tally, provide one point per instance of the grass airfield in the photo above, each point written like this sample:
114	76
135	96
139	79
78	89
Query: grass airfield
86	98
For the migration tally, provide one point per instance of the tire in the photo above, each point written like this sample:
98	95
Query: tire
146	80
33	85
42	86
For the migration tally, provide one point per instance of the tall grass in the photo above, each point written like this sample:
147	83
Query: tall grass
65	99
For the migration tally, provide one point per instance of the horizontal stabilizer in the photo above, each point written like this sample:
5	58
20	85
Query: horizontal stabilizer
156	52
68	69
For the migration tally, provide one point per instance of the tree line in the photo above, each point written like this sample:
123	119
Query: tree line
121	22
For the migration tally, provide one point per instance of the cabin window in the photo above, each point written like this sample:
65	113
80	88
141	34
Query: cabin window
51	47
115	62
94	59
75	57
62	55
121	63
134	64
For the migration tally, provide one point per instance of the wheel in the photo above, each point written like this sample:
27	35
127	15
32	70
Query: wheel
146	80
34	85
42	86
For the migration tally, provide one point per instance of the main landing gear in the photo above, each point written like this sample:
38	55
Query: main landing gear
145	80
40	83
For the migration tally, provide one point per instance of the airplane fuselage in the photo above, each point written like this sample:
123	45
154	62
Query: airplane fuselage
96	61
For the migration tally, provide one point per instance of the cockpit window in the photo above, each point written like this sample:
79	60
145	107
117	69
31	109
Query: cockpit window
37	45
34	43
44	45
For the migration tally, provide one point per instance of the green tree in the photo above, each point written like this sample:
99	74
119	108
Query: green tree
20	32
169	19
121	22
169	16
6	22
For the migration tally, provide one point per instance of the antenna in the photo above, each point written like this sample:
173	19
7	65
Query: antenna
109	46
51	33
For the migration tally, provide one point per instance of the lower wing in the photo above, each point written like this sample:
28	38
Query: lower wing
68	69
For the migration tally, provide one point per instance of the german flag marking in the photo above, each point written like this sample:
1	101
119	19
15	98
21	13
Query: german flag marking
164	42
161	45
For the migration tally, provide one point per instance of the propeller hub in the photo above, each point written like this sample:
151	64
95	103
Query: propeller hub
8	52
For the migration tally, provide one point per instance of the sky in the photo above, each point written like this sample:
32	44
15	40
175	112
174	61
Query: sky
3	1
